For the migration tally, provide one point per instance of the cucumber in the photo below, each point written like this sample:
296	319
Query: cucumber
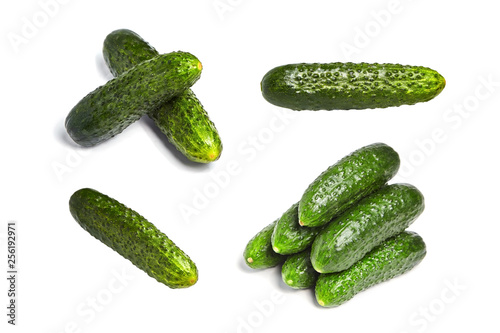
377	217
182	119
288	236
297	271
187	126
124	49
259	252
110	108
344	86
133	237
347	181
395	256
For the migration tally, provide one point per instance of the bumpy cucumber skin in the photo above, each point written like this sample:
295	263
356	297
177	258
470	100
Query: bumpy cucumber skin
109	109
123	49
297	271
133	237
395	256
347	181
344	86
183	119
375	218
288	236
259	252
187	126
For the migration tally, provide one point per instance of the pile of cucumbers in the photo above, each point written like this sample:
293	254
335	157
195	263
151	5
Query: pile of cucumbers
348	230
146	83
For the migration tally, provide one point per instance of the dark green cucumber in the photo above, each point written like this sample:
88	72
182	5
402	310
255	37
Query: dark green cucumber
344	86
109	109
297	271
183	119
347	181
377	217
288	236
259	252
394	257
133	237
123	49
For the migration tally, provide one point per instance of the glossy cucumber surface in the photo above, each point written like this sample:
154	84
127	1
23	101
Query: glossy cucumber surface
392	258
344	86
375	218
347	181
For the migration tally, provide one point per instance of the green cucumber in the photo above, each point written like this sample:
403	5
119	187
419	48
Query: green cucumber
347	181
395	256
377	217
297	271
288	236
124	49
187	126
133	237
182	119
259	252
344	86
110	108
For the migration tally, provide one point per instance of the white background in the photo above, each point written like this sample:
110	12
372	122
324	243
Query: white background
51	57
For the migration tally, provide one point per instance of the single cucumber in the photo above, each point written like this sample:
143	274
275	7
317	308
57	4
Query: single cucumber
109	109
133	237
347	181
393	257
183	118
259	252
344	86
377	217
187	126
288	236
297	271
123	49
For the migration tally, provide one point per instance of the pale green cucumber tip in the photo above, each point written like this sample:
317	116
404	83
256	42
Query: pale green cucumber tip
290	281
193	280
276	249
213	155
320	302
317	269
249	260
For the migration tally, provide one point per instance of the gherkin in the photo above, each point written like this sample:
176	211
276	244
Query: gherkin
183	119
112	107
344	86
395	256
132	236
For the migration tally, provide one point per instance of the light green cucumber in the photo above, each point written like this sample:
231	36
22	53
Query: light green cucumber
258	253
289	236
298	272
